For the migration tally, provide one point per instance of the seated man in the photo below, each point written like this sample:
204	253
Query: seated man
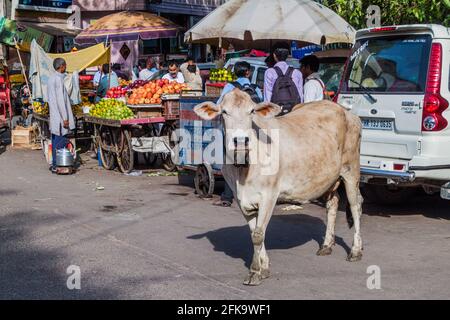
174	73
191	74
147	69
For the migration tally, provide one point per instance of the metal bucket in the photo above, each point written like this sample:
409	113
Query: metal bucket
64	158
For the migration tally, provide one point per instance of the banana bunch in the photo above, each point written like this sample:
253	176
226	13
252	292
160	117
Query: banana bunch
85	100
77	110
40	108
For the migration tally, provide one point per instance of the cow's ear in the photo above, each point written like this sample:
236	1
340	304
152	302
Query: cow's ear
207	110
267	110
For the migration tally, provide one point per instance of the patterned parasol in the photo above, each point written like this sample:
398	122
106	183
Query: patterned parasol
125	26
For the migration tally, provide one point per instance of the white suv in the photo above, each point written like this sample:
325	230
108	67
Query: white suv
397	81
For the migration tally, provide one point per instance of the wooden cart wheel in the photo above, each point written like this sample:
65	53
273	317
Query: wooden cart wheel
105	138
150	158
204	181
125	153
167	161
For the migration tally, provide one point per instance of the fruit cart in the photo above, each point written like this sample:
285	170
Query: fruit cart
191	158
118	140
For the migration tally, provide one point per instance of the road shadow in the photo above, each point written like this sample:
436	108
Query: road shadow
29	271
284	232
8	192
432	207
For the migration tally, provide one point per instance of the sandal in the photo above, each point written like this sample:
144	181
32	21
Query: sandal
221	203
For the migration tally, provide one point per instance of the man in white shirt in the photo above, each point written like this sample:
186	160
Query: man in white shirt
174	73
314	88
61	116
147	69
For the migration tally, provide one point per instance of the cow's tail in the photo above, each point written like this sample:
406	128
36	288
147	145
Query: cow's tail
348	214
348	211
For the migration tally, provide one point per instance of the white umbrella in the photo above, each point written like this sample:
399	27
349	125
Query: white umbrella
301	20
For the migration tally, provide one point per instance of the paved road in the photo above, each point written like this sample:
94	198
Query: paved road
150	238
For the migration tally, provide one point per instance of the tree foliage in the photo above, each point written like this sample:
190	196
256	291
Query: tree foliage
393	12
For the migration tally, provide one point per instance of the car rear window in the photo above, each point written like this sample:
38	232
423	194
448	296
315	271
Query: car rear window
389	64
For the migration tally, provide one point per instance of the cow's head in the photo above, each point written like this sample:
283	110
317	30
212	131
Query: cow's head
238	113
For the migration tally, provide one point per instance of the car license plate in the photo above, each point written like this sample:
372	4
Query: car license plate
377	124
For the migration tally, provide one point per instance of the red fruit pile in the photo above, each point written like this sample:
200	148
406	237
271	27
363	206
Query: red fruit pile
117	92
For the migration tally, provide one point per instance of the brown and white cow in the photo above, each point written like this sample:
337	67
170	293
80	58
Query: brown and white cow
318	145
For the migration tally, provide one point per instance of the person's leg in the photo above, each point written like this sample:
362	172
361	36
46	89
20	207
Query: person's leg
226	198
58	142
53	151
227	194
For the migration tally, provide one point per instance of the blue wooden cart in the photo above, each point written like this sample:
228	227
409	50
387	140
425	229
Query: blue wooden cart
191	158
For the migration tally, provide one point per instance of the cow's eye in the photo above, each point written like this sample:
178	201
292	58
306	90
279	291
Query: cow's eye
252	112
224	112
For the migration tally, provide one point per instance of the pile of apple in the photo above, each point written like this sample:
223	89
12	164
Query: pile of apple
117	92
151	92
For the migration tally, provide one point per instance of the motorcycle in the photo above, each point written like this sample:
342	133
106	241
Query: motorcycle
22	107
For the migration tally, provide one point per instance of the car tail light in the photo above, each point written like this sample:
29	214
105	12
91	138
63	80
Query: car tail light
399	167
434	104
383	29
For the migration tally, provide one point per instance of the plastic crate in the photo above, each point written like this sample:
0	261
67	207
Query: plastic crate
171	109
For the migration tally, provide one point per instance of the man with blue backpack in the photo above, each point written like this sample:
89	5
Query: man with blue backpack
242	70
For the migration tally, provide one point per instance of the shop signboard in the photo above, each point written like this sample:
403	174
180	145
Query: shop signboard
10	29
46	5
68	44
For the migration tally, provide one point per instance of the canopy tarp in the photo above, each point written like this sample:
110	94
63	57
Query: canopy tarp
82	59
126	26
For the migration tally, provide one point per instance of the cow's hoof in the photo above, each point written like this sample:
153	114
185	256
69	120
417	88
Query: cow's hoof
353	257
265	273
324	251
253	279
